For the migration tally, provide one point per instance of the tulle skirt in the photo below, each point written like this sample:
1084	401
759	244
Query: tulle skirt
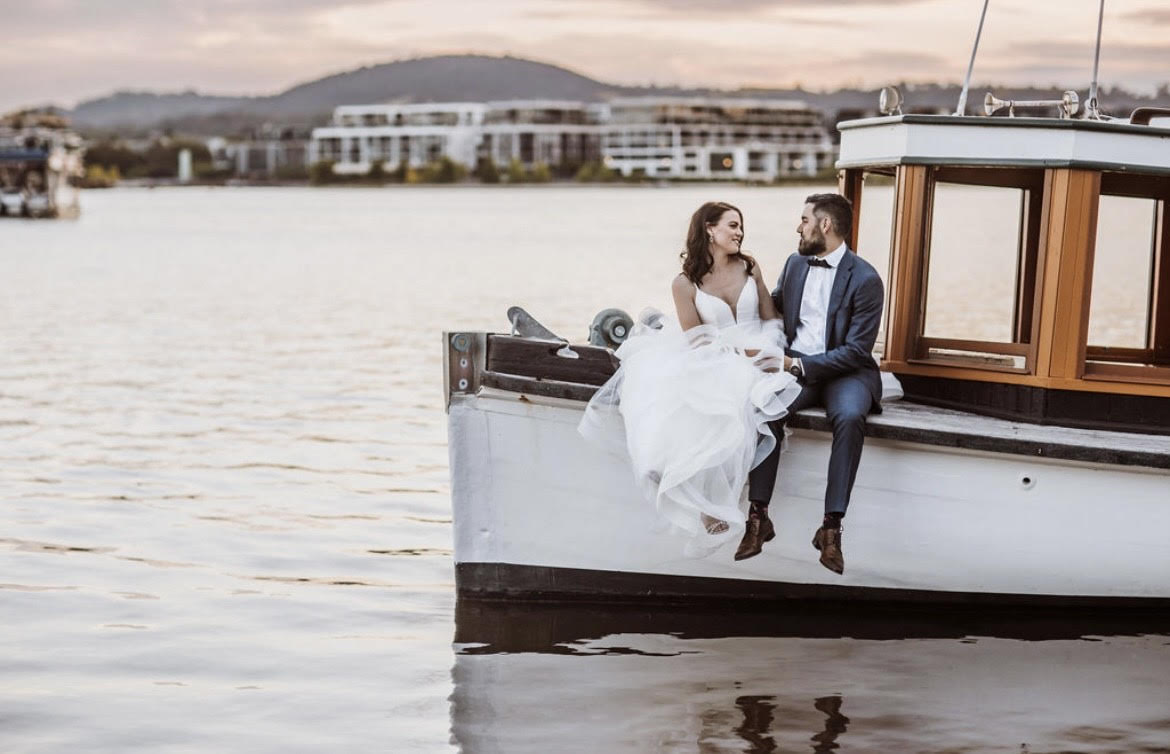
690	412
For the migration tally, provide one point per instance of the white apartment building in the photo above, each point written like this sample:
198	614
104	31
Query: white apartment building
661	137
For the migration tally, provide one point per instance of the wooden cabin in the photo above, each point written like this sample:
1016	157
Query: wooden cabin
1072	182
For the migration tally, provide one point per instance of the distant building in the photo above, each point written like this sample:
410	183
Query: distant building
267	154
660	137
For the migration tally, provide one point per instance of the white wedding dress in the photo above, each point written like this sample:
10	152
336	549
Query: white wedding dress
690	411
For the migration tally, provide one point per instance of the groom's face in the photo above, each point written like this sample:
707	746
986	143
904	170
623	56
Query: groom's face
812	238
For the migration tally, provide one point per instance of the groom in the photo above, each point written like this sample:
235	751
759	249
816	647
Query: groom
831	302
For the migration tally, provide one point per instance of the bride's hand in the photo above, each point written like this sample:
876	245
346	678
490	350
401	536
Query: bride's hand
769	362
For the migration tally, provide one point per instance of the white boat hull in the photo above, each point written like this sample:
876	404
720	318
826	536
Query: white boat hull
539	511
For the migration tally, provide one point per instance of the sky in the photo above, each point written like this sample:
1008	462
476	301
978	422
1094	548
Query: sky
66	51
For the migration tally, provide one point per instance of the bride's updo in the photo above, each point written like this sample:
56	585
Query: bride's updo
697	258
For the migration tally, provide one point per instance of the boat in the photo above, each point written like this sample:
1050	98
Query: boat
40	162
1025	466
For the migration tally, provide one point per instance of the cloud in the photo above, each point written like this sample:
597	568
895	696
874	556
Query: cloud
265	46
1077	55
1150	16
925	63
1070	63
733	6
214	46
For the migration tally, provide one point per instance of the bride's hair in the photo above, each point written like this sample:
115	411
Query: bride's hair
697	258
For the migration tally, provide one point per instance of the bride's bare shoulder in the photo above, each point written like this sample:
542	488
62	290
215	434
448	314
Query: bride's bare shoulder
682	284
755	265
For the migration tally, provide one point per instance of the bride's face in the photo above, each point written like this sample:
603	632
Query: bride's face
727	234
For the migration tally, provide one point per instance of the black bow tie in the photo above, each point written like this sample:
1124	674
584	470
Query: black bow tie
816	262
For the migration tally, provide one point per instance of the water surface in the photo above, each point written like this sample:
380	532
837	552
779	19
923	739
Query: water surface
226	514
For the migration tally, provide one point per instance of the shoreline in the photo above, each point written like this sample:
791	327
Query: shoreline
558	185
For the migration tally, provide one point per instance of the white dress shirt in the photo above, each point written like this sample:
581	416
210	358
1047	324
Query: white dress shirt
811	334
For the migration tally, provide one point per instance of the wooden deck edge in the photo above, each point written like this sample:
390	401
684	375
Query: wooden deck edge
884	427
815	420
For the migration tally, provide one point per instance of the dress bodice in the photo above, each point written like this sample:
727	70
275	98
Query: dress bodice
715	311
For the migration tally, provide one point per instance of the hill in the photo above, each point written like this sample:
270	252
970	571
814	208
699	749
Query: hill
448	78
444	78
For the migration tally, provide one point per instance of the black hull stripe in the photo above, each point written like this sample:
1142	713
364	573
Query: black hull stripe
508	581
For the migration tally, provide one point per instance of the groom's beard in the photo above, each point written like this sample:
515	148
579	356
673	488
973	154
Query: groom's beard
812	246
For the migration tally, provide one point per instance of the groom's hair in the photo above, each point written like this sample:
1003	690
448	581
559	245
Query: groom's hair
835	207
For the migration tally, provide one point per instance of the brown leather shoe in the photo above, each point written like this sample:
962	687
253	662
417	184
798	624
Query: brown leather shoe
759	531
828	541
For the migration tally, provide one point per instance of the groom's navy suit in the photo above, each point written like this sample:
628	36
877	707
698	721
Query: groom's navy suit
844	378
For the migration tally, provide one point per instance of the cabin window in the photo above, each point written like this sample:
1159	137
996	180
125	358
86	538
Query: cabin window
1129	301
874	233
979	268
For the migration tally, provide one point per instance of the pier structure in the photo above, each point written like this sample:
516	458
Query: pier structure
659	137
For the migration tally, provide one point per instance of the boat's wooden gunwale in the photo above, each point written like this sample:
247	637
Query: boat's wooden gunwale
905	421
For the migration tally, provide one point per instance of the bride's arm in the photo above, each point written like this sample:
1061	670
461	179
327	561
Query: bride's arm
684	302
767	305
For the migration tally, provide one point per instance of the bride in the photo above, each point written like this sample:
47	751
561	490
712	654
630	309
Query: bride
691	399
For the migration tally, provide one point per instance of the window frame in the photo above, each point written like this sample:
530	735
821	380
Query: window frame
1150	364
974	353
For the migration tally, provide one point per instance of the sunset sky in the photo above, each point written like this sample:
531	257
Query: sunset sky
65	51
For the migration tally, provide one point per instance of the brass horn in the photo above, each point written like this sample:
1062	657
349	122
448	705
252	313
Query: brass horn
1068	104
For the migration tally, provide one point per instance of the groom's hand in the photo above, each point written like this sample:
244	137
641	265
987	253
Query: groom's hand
787	363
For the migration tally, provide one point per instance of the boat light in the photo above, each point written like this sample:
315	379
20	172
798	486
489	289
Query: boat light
890	101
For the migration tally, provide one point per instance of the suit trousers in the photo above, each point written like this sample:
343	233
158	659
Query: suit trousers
847	401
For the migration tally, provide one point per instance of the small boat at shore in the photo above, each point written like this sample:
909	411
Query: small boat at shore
1028	467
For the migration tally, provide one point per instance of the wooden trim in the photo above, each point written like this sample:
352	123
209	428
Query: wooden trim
1159	337
1098	370
917	350
1068	241
1136	186
1116	353
1037	364
535	386
530	357
1028	179
904	320
849	183
925	368
981	346
961	363
1028	269
930	369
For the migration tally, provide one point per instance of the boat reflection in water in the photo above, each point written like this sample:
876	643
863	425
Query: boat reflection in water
624	678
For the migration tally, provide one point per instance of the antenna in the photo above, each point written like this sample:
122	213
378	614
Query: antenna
1091	110
962	108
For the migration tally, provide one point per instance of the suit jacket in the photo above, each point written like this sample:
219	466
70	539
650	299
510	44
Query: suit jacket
852	320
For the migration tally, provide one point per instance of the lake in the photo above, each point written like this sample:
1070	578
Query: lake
226	516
